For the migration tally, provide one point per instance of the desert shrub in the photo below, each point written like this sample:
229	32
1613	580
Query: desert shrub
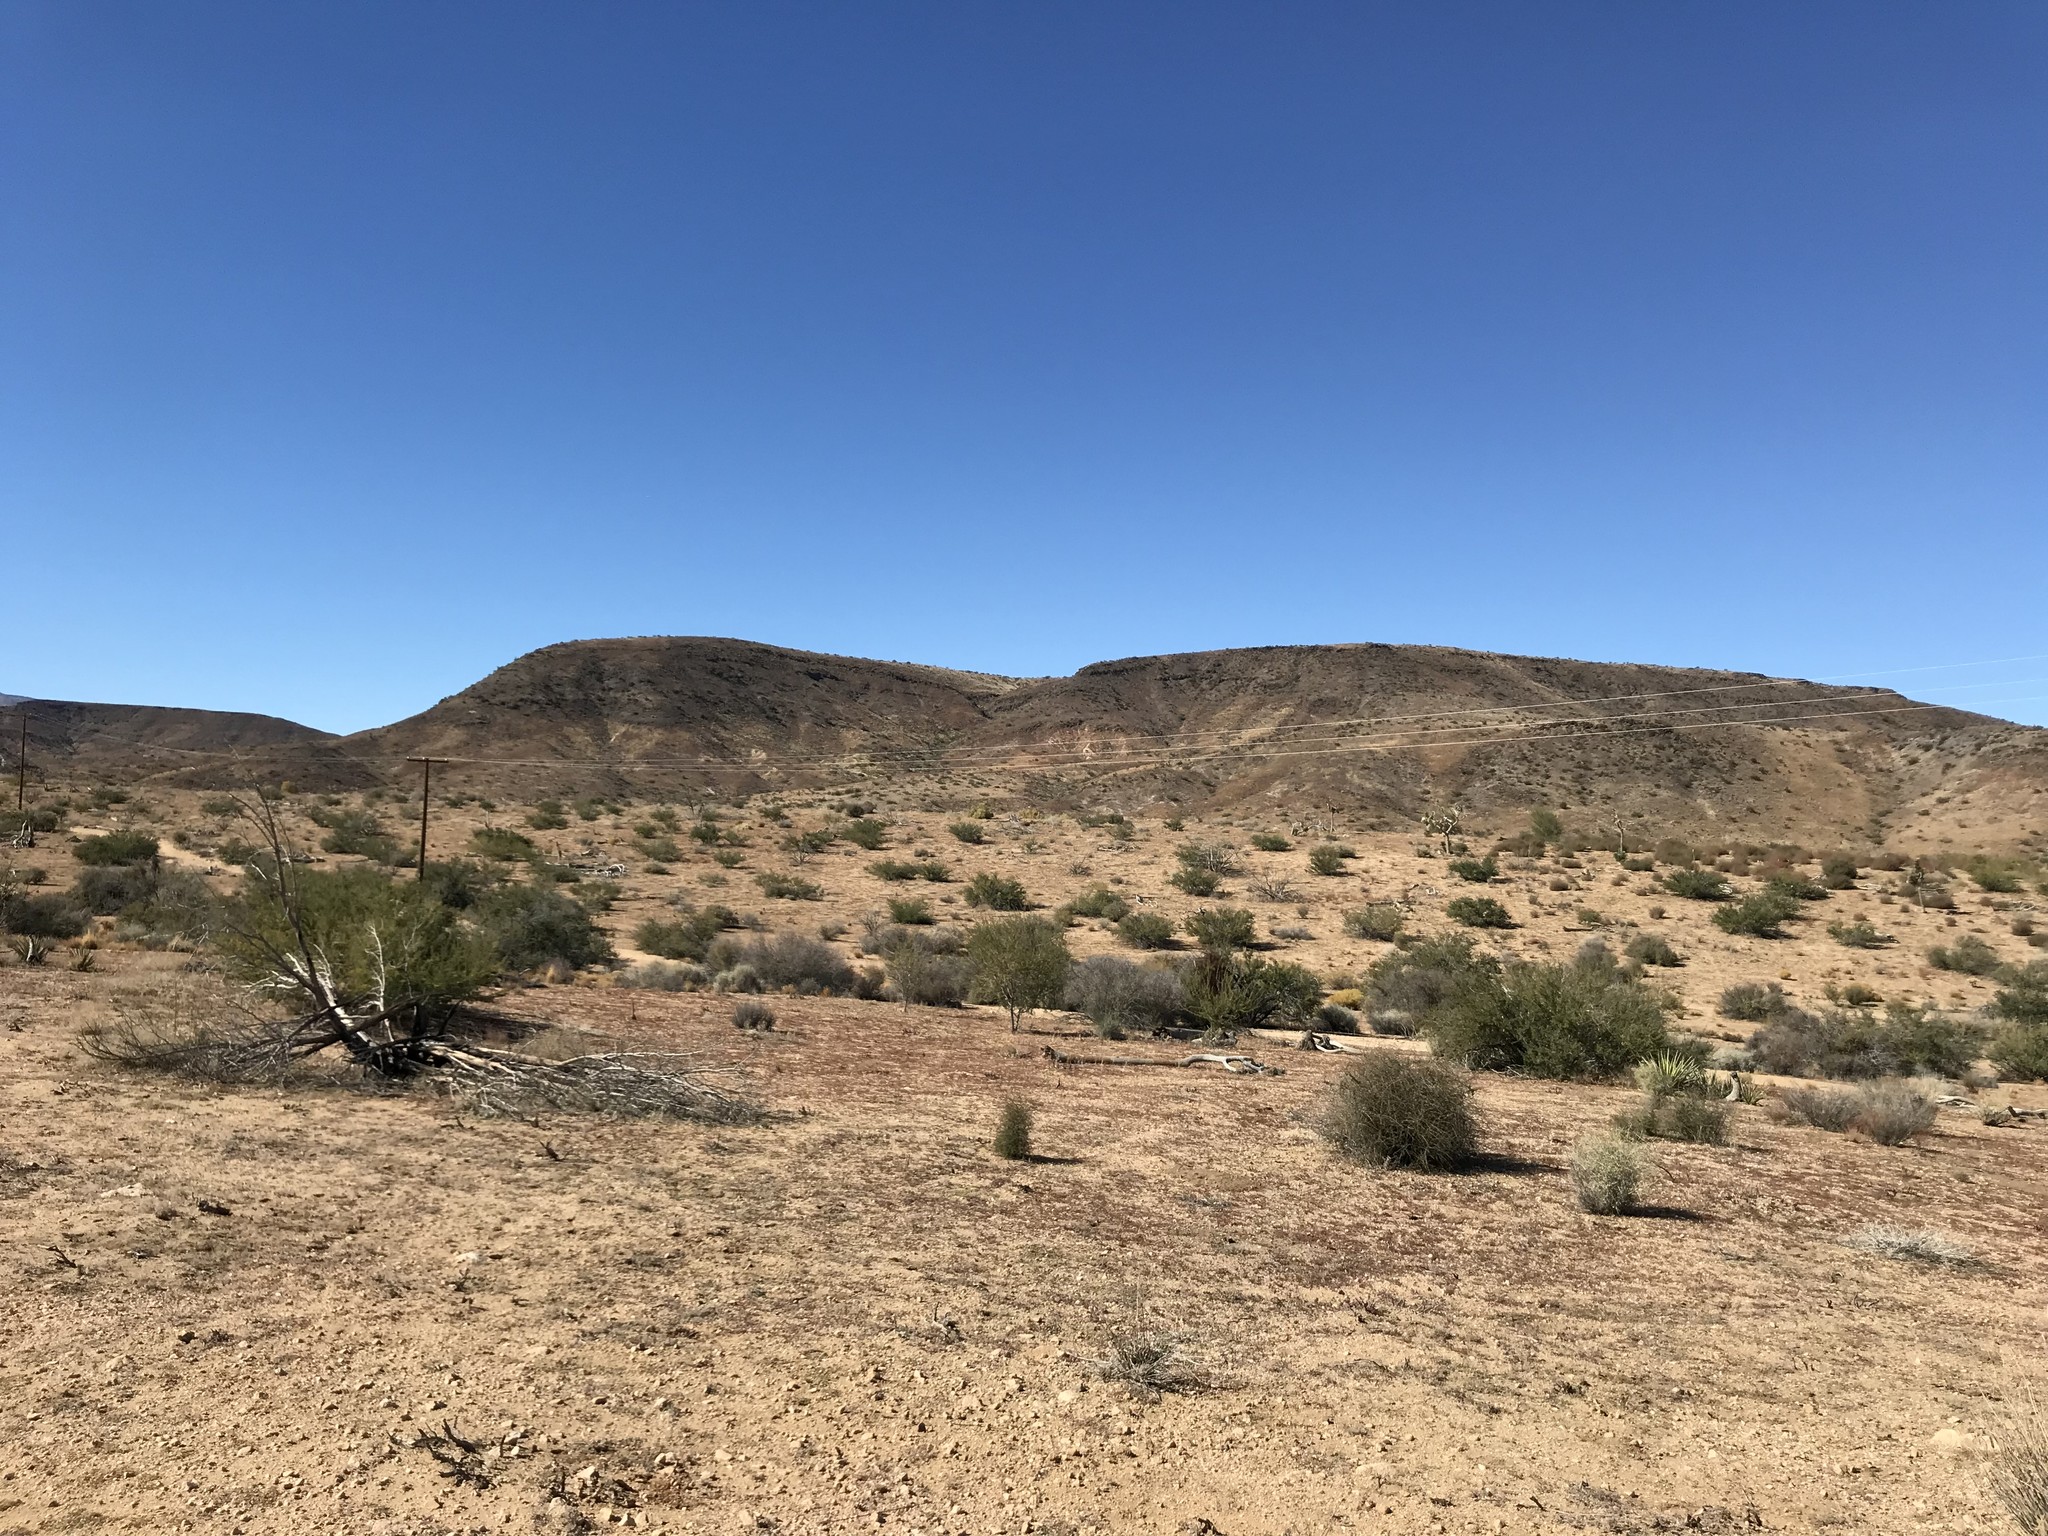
997	893
547	816
1401	988
176	907
1853	1043
1270	842
969	831
1856	995
355	832
1381	921
1217	859
1019	963
1145	930
751	1013
1222	930
1649	949
1858	935
1607	1173
2019	1469
1334	1018
1825	1109
893	869
106	890
789	887
502	843
1761	916
1100	901
1752	1001
1891	1113
1838	872
926	975
2021	1053
1120	996
1969	955
1928	1247
1525	844
1478	871
1013	1131
2024	997
1391	1110
1677	1117
788	962
1698	885
1996	875
1231	992
687	937
1327	859
864	832
912	911
39	917
1797	887
1194	882
666	976
1583	1020
1478	912
115	848
529	925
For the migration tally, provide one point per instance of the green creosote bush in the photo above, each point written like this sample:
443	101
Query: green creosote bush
1381	922
788	962
864	832
1392	1110
969	831
1761	916
1194	882
1858	935
1796	886
1270	842
1752	1002
1099	902
1228	992
1013	1131
1607	1174
1838	872
1698	885
1019	963
1478	871
911	911
112	848
687	937
1222	930
547	816
1858	1043
1145	930
1588	1019
1120	996
1969	956
502	844
788	887
1650	949
1401	988
997	893
1328	859
1478	912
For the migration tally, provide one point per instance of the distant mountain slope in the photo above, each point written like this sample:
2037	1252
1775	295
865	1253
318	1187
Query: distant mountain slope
1372	732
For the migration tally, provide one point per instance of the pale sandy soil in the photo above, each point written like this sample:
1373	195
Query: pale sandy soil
854	1316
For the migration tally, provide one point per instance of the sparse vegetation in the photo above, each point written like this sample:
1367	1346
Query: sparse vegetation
1222	930
1019	963
1969	955
1145	930
997	893
1121	997
912	911
1587	1019
969	832
1327	859
752	1014
1698	885
1857	1043
1381	922
115	848
1013	1131
1858	935
784	887
1270	842
1761	916
1904	1243
1607	1173
1478	871
1651	949
1478	912
1396	1111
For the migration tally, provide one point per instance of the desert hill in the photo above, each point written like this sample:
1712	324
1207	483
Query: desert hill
1372	733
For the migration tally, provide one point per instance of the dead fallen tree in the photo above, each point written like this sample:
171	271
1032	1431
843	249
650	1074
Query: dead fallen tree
1229	1061
379	974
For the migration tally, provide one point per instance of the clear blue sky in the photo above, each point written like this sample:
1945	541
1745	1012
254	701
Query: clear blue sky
349	350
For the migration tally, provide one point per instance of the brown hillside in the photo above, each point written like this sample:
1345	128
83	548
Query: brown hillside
1370	733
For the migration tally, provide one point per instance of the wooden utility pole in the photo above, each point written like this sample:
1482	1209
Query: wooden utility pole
426	786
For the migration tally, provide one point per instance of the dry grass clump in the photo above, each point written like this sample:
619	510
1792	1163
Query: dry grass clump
2019	1470
1399	1111
1825	1109
1901	1243
198	1033
1607	1174
1892	1113
1142	1354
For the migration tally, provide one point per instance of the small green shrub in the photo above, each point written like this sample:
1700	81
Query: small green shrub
1649	949
1212	858
1607	1173
1013	1131
502	844
864	832
1222	930
1194	882
1391	1110
1327	859
1761	916
529	925
1381	922
1969	955
751	1014
2024	997
1838	872
997	893
1825	1109
924	969
115	848
2020	1053
1019	963
1270	842
969	831
1584	1020
1853	1042
1478	912
1478	871
789	887
1698	885
1752	1002
1099	902
1120	997
1858	935
1232	992
39	917
547	816
687	937
912	911
1796	886
1145	930
1403	987
792	962
1995	875
1892	1113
